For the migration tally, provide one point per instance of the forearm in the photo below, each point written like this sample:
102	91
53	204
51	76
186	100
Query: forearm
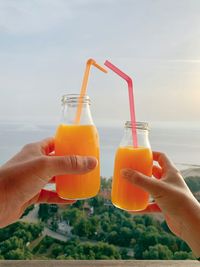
191	226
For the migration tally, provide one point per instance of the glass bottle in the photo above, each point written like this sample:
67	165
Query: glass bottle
77	139
124	194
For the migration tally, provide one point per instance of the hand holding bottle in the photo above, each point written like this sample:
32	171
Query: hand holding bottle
173	197
23	177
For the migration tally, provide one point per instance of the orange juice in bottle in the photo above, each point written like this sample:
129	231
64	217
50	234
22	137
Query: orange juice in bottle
124	194
77	139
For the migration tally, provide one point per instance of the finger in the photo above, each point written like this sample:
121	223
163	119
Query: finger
164	162
47	145
46	196
157	172
58	165
150	184
151	208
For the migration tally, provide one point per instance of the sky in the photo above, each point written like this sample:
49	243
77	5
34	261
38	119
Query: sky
44	45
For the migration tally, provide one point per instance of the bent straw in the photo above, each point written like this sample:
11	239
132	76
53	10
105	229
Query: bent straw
89	63
131	98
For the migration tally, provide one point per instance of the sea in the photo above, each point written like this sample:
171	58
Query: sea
179	140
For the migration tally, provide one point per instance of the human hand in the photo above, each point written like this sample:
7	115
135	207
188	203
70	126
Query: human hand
172	197
23	177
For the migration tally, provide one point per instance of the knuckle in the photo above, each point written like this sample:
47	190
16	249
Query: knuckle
72	161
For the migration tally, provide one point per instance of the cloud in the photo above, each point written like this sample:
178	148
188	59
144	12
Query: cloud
26	17
35	16
45	43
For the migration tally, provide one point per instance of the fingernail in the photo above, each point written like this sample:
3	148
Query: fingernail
91	162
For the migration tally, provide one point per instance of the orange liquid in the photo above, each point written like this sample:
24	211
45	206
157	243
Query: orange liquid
77	140
124	194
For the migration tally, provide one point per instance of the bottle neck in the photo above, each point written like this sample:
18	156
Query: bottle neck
70	104
142	130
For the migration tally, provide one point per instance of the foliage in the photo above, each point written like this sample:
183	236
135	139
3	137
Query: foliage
72	215
183	255
27	210
74	249
105	183
193	182
14	239
99	231
46	211
158	251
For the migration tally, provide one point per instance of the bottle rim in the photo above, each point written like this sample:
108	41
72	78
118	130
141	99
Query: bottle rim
140	125
75	98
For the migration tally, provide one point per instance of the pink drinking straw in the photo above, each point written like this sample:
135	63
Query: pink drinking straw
131	98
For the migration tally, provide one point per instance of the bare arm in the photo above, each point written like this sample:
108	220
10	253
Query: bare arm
173	198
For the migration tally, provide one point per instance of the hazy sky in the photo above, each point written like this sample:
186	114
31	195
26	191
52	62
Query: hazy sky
44	45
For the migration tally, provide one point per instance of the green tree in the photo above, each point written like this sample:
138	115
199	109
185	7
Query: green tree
84	228
56	250
54	225
27	210
138	231
125	236
105	225
35	229
78	204
183	246
158	252
182	255
165	227
149	239
44	245
104	249
23	234
150	221
47	211
105	183
139	220
98	204
43	212
11	244
124	254
72	215
18	254
168	240
144	238
62	257
112	238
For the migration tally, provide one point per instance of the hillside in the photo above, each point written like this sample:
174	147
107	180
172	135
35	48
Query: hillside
92	229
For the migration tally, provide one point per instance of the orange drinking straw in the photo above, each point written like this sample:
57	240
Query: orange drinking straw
131	98
84	86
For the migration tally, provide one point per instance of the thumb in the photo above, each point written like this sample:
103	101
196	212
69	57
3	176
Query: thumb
73	164
149	184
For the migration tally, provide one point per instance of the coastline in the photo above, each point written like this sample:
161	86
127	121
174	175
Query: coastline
191	172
